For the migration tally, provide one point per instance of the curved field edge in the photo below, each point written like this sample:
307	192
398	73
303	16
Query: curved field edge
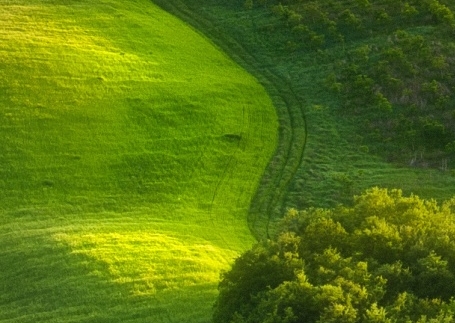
337	164
131	155
269	200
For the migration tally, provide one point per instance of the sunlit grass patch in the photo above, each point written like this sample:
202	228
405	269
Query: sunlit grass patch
148	262
131	149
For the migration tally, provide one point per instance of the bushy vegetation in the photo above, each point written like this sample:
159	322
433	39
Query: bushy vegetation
394	73
387	258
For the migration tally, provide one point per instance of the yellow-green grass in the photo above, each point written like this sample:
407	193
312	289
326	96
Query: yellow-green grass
131	149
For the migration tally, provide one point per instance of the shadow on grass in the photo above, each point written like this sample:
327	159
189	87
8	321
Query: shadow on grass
43	280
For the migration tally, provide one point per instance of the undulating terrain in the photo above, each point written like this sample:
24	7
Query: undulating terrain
131	149
146	144
375	97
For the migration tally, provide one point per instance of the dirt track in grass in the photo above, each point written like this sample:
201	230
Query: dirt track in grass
269	199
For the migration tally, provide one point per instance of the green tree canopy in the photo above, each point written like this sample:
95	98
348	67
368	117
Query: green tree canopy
388	258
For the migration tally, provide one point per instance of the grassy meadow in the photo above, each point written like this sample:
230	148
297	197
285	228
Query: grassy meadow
338	159
131	150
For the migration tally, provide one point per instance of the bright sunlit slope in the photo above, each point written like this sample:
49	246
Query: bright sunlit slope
130	150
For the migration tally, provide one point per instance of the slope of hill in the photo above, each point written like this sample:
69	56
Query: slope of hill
352	144
131	149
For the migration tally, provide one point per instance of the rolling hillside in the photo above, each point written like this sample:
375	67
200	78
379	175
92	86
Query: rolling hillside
351	144
131	149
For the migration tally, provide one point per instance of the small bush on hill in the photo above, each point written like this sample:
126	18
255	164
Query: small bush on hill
403	90
388	258
392	72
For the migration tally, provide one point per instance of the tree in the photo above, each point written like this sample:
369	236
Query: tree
388	258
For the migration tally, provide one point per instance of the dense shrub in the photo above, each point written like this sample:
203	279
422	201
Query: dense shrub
410	76
393	60
388	258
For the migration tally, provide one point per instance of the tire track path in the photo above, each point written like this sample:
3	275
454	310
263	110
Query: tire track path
267	205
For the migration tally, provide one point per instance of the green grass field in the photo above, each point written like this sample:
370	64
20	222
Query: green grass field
131	149
338	161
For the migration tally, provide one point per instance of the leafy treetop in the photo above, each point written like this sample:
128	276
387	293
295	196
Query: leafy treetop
388	258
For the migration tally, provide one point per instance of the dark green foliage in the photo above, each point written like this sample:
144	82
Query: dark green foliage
397	63
409	75
362	18
388	258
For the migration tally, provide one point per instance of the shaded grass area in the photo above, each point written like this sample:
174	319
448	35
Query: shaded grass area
115	271
131	149
338	162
